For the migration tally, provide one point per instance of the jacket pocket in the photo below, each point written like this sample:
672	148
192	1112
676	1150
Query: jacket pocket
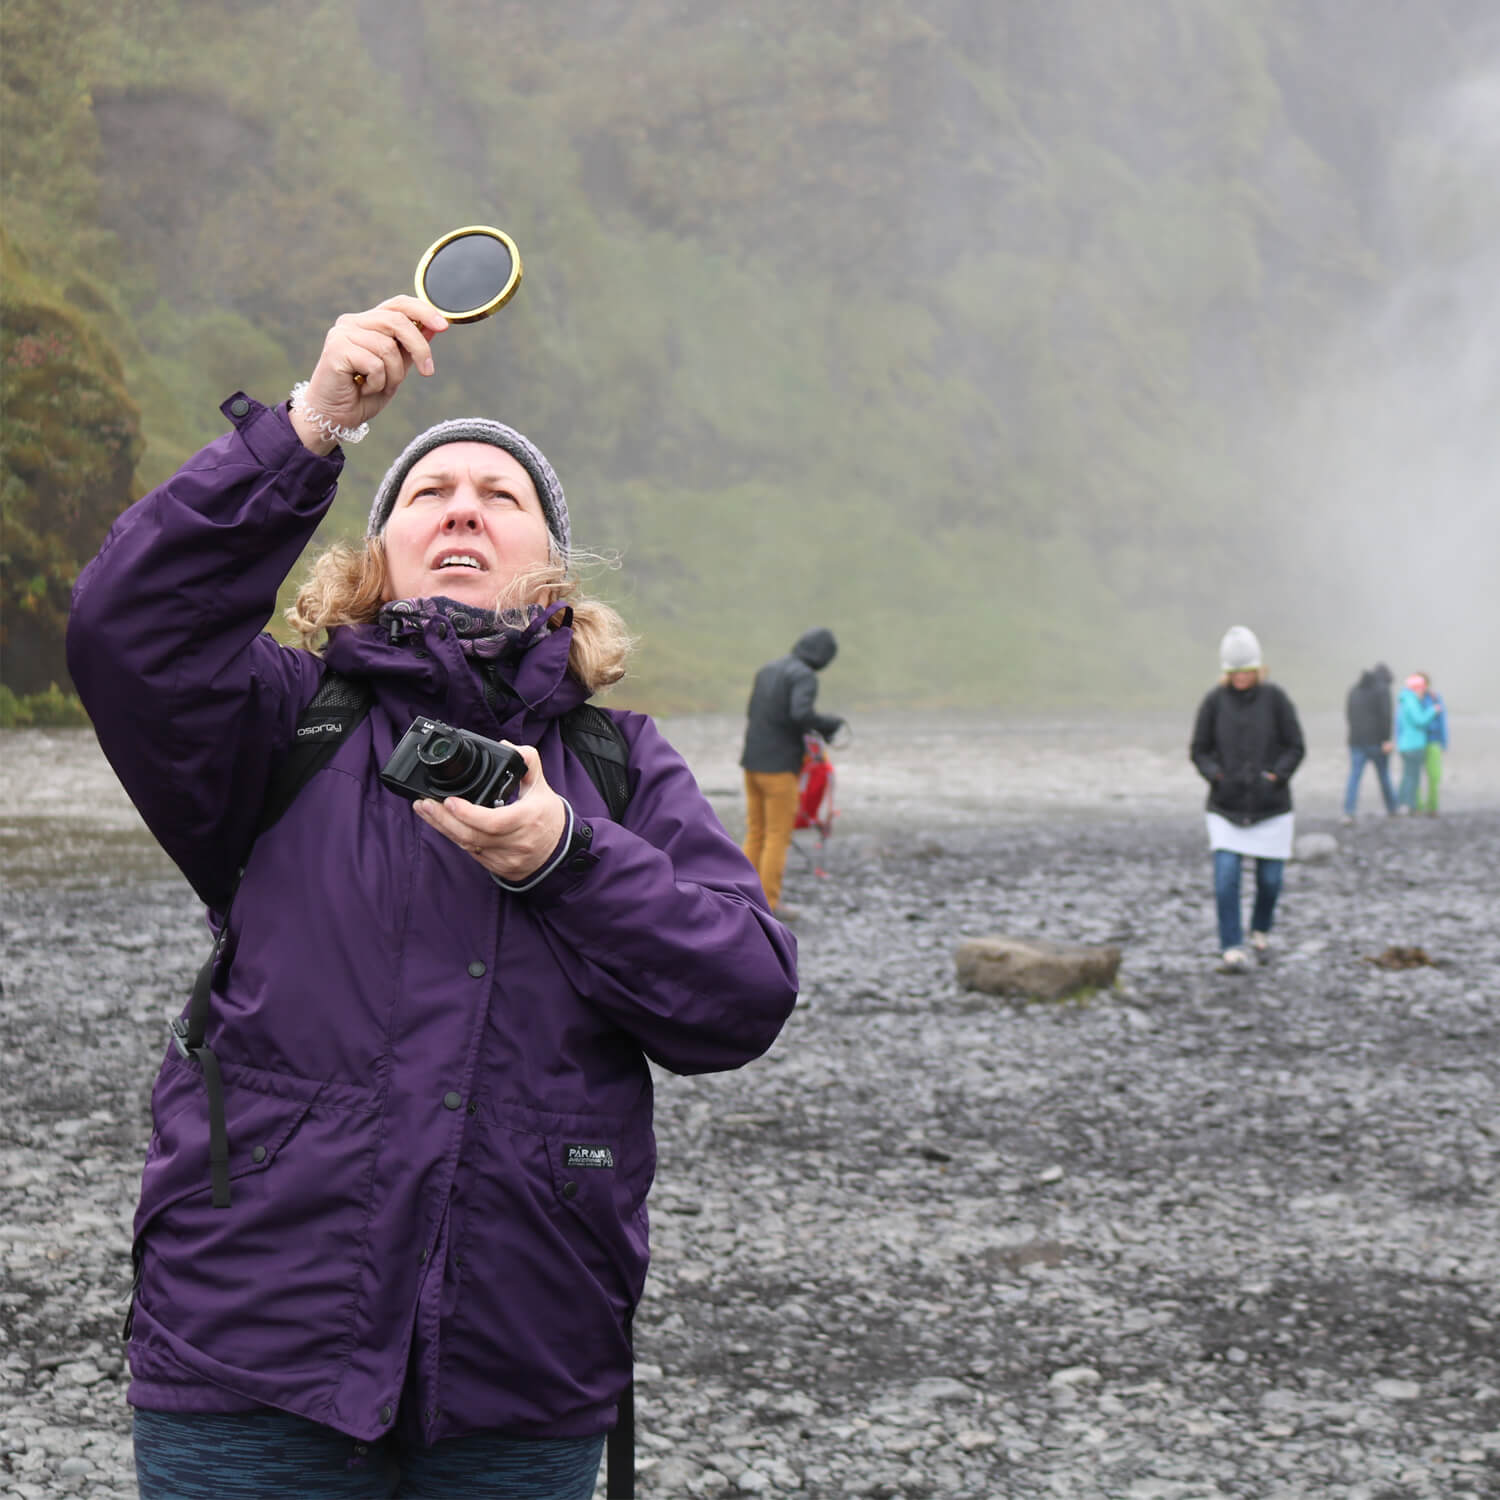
565	1196
1260	794
221	1280
261	1120
177	1165
599	1183
548	1260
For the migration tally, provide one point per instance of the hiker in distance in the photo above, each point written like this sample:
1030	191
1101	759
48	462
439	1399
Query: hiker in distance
1368	712
1437	745
1246	745
1416	710
392	1223
782	710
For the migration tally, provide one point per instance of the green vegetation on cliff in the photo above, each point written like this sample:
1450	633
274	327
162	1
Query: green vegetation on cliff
962	328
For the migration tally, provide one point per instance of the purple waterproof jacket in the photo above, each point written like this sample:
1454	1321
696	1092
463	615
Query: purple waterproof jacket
438	1100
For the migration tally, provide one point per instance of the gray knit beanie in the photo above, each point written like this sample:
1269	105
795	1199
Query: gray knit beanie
478	430
1239	651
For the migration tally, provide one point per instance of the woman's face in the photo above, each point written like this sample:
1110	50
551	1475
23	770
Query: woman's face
1240	681
466	524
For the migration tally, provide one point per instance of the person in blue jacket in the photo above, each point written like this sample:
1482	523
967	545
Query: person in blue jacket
1415	712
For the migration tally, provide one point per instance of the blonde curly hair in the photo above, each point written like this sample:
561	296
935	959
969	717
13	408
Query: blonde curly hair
347	585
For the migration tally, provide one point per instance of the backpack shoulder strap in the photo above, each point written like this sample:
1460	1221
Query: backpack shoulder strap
599	743
336	708
328	720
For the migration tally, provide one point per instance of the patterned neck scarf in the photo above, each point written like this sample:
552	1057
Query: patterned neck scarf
482	634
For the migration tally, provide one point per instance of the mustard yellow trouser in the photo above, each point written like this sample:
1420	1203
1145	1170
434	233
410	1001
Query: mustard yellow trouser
770	812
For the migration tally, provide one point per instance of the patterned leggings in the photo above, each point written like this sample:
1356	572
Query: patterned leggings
271	1455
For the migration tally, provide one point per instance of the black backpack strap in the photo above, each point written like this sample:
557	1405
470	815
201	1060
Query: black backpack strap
619	1452
619	1458
594	737
187	1037
599	743
335	710
328	720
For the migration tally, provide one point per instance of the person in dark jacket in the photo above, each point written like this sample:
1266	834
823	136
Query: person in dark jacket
781	711
1368	710
432	1020
1246	745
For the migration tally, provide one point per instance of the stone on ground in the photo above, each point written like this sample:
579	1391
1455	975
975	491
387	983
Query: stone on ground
1034	967
1314	848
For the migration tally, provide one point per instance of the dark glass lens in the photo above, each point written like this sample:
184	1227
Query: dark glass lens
467	273
450	761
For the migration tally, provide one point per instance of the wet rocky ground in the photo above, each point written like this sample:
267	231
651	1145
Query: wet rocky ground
1197	1236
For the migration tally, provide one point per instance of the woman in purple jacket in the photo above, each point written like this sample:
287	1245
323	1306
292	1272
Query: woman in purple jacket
411	1270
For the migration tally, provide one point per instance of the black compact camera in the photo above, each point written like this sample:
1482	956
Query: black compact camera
436	760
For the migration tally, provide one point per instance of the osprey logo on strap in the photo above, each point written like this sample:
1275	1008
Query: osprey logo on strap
322	729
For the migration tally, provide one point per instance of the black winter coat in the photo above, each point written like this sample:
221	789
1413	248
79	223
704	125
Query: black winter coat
1369	709
781	708
1237	738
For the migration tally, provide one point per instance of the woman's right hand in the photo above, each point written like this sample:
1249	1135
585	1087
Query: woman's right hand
380	347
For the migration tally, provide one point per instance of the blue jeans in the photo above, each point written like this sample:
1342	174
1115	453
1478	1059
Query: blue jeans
1412	763
272	1455
1359	757
1227	866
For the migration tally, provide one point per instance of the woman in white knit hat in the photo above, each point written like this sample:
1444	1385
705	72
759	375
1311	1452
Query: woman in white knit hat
1246	745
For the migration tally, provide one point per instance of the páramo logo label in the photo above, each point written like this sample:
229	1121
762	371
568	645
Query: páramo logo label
588	1156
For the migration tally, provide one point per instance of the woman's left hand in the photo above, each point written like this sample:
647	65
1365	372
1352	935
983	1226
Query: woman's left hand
513	840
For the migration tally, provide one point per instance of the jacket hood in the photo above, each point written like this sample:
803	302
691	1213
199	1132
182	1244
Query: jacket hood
1378	676
817	648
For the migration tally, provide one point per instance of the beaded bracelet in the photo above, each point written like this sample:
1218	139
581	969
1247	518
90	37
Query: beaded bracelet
326	425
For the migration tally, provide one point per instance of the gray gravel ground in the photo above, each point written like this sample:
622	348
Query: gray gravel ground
1199	1236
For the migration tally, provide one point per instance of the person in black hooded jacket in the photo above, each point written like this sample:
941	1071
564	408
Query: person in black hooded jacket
1246	745
1368	710
782	709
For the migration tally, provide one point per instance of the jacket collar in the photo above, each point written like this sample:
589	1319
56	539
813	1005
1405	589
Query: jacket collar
426	658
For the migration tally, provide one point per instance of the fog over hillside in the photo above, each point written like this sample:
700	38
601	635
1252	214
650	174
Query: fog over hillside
1027	345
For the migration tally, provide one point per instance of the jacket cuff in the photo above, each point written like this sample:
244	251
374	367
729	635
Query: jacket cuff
268	433
572	858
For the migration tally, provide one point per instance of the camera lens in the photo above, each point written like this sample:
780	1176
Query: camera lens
451	762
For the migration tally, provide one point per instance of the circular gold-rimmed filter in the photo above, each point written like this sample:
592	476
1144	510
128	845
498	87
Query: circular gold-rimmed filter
469	273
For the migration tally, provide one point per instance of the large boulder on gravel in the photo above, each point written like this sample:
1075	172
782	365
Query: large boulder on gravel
1033	967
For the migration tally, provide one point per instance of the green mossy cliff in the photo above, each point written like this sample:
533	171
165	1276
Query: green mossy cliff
958	327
